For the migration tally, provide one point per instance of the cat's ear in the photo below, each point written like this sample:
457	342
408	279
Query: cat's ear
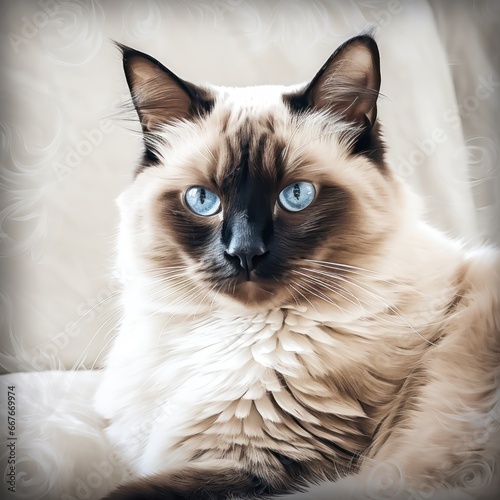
347	84
159	96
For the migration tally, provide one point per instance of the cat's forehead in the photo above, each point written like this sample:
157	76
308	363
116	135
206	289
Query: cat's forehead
251	129
257	98
244	113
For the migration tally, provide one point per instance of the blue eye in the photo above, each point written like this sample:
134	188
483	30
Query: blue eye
297	196
202	201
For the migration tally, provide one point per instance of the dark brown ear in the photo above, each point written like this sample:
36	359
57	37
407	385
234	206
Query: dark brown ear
348	83
159	96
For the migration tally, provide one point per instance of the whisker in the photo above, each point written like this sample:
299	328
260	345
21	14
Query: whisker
351	280
159	281
329	287
203	299
113	294
184	304
174	286
185	286
391	308
357	270
320	295
104	347
302	295
293	296
81	359
212	303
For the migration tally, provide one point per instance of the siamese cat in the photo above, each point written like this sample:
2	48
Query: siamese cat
289	318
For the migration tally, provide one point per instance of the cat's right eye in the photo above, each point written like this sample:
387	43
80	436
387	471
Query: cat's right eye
202	201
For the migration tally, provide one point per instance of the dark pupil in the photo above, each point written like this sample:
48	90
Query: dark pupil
203	195
296	191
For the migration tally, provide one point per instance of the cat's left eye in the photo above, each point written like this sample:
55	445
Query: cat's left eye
202	201
297	196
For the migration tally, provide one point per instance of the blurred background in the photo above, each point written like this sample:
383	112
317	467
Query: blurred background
66	153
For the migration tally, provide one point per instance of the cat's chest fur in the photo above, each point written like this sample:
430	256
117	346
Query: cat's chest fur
215	386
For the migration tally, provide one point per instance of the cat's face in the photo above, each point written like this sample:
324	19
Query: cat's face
246	193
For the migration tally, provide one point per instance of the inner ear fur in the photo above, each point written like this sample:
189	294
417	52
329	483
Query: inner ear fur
347	84
160	96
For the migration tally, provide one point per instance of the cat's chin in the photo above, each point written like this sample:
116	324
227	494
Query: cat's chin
253	292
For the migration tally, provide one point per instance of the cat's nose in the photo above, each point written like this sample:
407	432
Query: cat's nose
248	253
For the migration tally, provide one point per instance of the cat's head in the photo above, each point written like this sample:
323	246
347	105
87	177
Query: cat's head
244	193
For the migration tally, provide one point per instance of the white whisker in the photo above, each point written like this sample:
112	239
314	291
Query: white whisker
302	295
113	294
321	296
293	296
358	270
330	286
183	304
81	359
389	307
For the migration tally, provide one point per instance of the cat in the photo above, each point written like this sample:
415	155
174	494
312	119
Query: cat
289	318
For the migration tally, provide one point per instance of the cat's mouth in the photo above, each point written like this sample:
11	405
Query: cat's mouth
248	286
250	278
246	276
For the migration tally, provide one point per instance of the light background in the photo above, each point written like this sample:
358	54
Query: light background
62	167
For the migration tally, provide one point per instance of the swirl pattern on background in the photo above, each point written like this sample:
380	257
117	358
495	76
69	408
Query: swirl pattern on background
27	175
142	20
385	480
75	33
